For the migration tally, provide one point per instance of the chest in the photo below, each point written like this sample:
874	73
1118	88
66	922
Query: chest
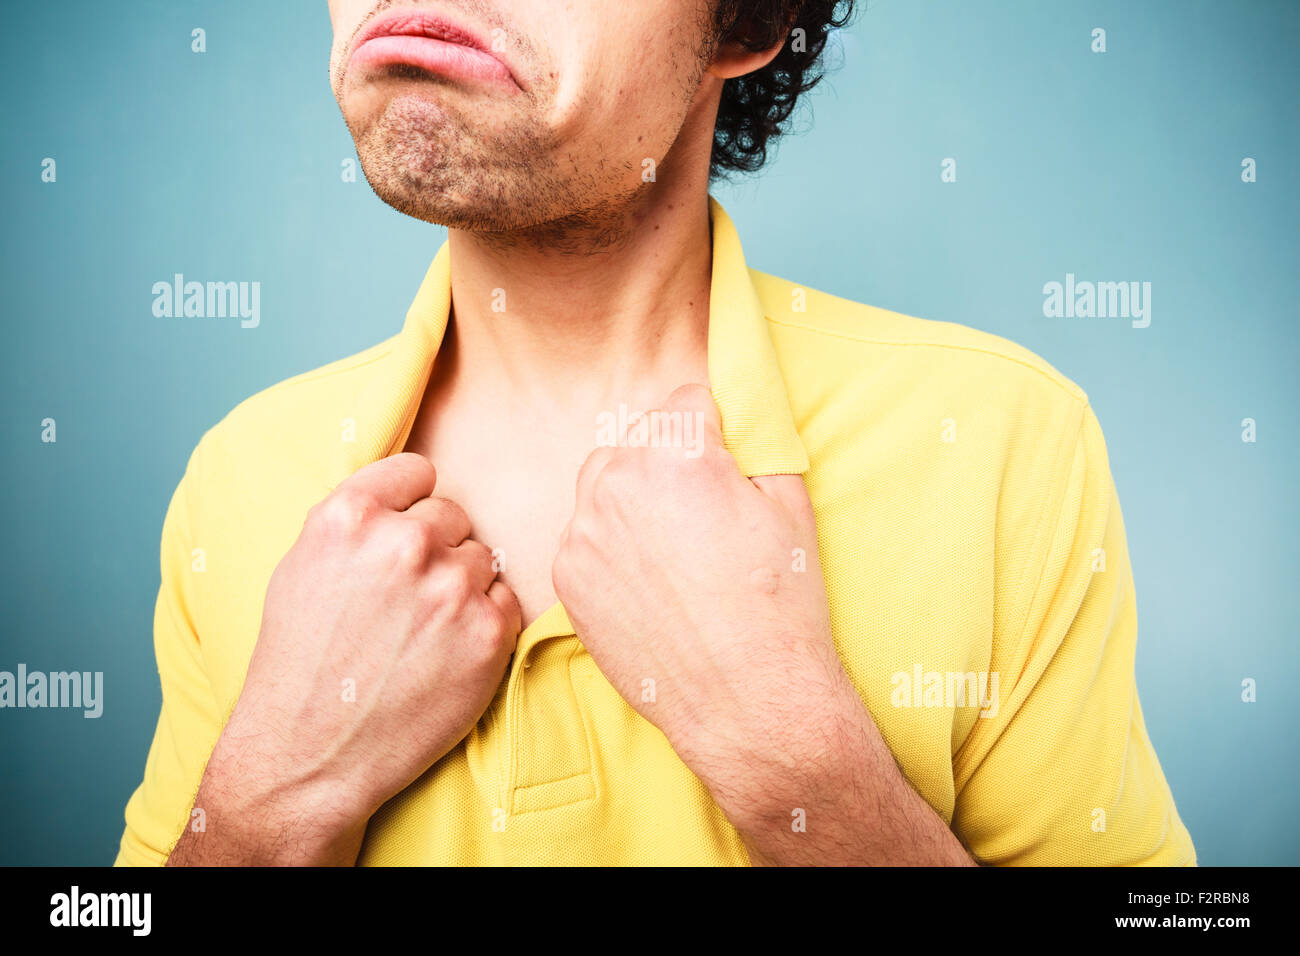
518	491
521	516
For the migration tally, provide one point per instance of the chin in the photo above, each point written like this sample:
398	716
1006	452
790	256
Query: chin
421	159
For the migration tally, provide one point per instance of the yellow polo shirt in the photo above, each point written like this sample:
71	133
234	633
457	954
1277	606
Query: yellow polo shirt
974	553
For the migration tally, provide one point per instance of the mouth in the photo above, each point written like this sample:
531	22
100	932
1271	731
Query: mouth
433	44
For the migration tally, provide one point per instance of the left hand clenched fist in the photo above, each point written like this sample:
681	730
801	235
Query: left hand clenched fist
698	591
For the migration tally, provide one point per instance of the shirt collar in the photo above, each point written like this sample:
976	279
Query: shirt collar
757	425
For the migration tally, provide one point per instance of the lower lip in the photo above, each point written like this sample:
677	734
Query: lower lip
452	60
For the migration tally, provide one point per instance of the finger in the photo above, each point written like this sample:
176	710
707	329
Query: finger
790	492
592	467
505	599
445	516
394	482
697	402
476	557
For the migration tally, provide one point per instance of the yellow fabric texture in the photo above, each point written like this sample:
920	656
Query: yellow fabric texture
968	524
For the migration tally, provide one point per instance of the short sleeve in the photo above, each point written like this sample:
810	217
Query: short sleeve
189	722
1063	772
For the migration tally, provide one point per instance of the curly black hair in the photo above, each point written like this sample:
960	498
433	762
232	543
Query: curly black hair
755	108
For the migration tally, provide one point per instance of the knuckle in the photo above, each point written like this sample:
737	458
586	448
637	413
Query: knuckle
411	544
342	513
451	585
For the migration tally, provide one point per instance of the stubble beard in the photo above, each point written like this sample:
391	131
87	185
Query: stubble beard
504	177
501	181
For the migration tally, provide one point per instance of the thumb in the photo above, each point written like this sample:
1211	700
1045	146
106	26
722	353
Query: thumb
696	400
791	494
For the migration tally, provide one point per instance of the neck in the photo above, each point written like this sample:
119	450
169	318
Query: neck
616	300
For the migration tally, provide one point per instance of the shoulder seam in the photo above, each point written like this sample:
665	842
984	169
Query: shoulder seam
1076	392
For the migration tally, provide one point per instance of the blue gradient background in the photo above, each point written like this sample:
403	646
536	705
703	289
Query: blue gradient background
226	165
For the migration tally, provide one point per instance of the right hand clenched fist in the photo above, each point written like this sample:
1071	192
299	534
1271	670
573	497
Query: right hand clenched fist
385	635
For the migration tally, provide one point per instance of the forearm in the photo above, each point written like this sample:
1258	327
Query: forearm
831	794
253	816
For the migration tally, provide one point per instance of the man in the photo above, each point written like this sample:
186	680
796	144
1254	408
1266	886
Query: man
621	552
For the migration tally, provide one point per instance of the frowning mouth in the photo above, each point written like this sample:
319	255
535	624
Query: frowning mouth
433	44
